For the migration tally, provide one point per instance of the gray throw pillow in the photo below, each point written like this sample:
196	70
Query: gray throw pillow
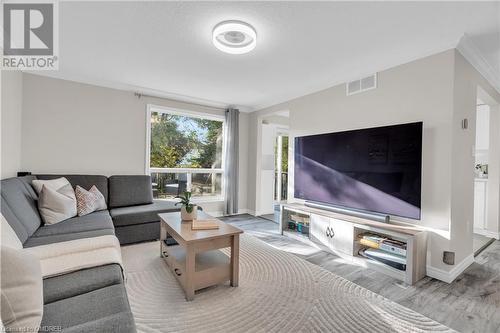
21	290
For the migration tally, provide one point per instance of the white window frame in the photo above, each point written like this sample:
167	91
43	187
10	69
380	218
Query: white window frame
189	171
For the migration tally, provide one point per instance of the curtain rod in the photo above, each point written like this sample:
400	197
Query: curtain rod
140	95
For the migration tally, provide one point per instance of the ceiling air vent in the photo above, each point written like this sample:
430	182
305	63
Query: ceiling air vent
363	84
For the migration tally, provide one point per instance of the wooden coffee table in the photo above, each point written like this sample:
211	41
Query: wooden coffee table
197	262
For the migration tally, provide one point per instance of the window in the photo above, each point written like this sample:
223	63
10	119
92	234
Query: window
185	153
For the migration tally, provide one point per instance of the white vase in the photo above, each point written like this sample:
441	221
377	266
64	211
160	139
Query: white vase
185	216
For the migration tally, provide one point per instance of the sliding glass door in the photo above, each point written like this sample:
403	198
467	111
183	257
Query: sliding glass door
281	167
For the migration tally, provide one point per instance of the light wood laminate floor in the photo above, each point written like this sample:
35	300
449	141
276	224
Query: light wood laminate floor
470	304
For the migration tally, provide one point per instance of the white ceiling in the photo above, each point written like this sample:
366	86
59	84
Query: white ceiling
165	47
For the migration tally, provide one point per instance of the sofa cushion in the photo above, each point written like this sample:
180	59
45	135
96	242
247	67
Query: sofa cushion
85	181
80	282
136	233
22	295
92	225
19	206
95	221
88	307
130	190
37	241
141	214
122	322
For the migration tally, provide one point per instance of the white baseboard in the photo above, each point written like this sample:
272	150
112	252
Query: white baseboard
240	211
450	276
487	233
216	213
265	213
246	211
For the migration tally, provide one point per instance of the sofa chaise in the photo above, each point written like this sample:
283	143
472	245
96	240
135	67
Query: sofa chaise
92	299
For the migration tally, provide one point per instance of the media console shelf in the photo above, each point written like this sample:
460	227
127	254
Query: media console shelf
339	233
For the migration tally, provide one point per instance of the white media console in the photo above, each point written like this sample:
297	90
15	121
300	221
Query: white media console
338	233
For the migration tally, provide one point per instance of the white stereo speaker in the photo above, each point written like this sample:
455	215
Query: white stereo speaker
364	84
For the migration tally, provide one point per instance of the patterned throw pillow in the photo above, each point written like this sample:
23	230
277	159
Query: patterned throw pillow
86	201
101	201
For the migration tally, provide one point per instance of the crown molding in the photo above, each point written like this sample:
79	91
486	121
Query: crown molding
471	52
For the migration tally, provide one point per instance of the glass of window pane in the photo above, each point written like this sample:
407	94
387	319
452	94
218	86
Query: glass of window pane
206	184
179	141
168	185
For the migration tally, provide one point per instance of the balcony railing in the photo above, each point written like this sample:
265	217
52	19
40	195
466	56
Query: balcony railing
204	184
283	178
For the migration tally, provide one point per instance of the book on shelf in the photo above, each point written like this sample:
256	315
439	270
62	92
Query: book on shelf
389	259
204	224
369	243
383	243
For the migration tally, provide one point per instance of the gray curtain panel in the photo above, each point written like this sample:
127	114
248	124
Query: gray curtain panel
231	162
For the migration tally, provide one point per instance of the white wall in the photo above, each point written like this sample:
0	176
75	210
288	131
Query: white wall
483	127
243	164
493	203
70	127
467	82
266	189
11	113
418	91
438	90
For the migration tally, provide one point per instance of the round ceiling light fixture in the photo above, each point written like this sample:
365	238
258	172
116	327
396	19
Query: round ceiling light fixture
234	37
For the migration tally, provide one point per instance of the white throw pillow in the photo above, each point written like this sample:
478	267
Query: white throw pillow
54	184
21	290
57	205
9	237
101	201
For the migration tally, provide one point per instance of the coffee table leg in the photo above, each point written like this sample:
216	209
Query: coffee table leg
190	271
163	235
235	260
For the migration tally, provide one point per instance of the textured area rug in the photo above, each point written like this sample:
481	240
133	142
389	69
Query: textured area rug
278	292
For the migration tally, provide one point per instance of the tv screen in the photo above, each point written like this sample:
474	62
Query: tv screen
376	169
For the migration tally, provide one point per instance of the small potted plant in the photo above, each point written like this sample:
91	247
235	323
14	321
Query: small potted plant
189	211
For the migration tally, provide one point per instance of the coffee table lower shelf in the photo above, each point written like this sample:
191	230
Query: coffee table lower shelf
211	267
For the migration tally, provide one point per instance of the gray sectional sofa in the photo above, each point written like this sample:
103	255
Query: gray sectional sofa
94	299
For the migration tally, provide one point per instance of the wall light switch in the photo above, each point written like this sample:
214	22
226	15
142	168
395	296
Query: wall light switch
465	123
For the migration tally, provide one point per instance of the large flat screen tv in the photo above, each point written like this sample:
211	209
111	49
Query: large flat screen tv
372	170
